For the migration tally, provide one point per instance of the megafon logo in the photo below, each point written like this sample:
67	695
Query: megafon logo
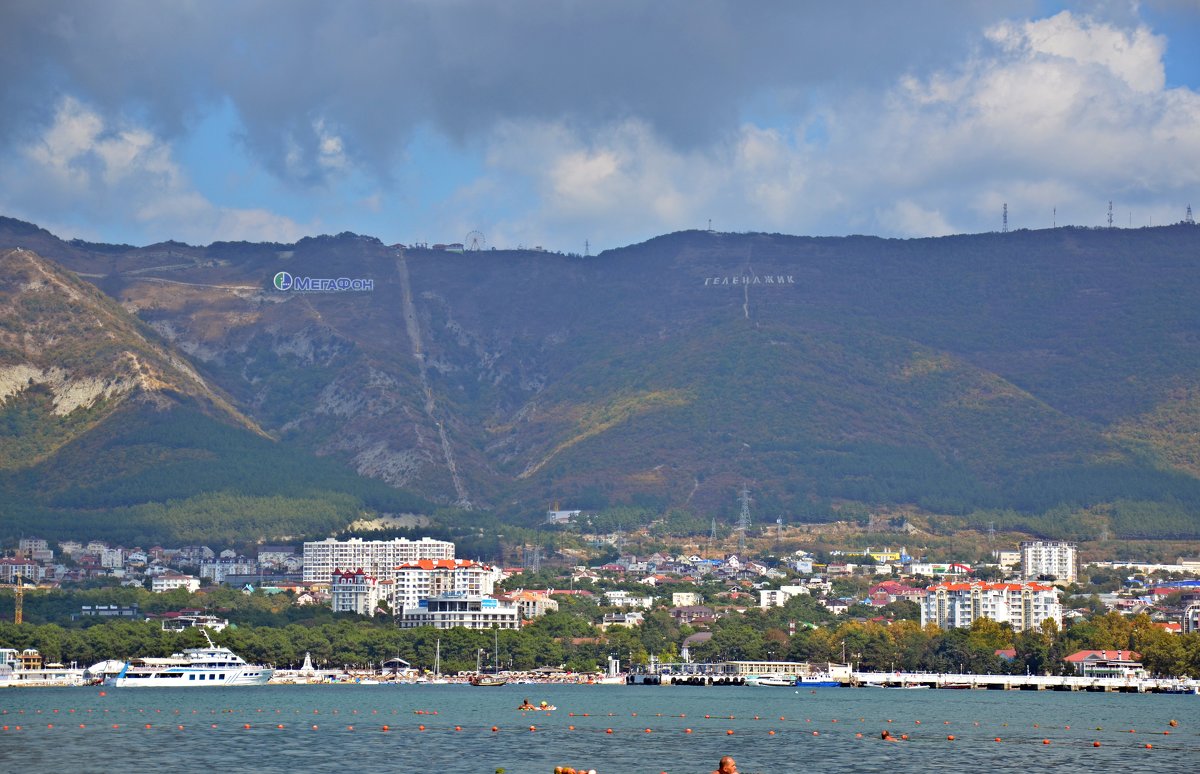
285	281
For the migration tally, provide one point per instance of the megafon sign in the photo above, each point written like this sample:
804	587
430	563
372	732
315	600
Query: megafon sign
290	283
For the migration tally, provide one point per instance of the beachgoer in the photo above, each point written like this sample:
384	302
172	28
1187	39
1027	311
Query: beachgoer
727	765
526	705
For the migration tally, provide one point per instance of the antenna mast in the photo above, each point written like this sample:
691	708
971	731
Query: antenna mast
1110	214
1004	228
1188	218
743	520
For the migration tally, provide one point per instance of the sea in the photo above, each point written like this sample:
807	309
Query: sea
611	729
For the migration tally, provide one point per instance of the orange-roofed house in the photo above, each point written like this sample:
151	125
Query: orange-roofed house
426	578
1021	605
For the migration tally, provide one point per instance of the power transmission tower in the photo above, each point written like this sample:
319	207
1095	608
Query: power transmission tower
1188	218
743	521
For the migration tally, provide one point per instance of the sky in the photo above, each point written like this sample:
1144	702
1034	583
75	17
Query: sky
592	125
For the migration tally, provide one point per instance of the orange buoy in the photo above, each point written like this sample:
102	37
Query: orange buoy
459	728
729	732
1045	741
770	733
420	728
314	728
687	730
608	730
385	728
950	738
147	725
494	728
1149	746
1095	744
904	737
997	739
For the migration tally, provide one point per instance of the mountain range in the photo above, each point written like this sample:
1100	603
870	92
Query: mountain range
1043	380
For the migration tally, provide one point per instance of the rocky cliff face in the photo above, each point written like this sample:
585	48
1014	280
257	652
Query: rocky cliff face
70	356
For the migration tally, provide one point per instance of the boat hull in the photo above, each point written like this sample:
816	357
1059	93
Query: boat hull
190	678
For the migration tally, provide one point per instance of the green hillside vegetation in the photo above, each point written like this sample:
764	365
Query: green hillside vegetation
180	476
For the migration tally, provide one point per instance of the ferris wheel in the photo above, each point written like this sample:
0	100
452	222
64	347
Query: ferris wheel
475	241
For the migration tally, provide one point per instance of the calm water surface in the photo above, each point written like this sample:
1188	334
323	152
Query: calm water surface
814	731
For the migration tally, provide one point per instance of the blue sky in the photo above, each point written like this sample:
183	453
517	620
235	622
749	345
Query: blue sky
550	124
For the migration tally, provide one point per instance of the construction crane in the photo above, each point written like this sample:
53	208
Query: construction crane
18	611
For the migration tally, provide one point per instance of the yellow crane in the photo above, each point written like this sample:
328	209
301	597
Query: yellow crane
20	600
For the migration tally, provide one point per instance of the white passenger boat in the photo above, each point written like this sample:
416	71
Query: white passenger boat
211	666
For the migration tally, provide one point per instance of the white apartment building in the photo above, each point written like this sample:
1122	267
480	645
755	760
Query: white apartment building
619	598
450	610
686	598
1191	618
779	597
375	557
427	578
1053	558
354	591
169	581
1021	605
218	570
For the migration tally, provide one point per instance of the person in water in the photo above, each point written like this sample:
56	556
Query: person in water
726	765
525	705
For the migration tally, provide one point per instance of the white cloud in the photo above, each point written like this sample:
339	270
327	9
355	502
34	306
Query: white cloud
1065	112
126	174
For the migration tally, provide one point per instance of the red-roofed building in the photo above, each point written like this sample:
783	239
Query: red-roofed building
1107	663
426	578
1022	605
354	591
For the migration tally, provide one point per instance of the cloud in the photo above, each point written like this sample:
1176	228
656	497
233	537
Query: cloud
379	70
609	121
124	173
1066	112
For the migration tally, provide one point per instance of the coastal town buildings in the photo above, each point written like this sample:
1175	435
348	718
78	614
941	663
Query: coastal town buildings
1048	559
1022	605
375	557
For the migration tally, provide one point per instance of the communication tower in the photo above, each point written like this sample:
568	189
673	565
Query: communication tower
1004	227
1188	218
743	520
1110	214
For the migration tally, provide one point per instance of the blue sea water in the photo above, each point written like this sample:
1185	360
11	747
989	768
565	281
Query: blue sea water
105	730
